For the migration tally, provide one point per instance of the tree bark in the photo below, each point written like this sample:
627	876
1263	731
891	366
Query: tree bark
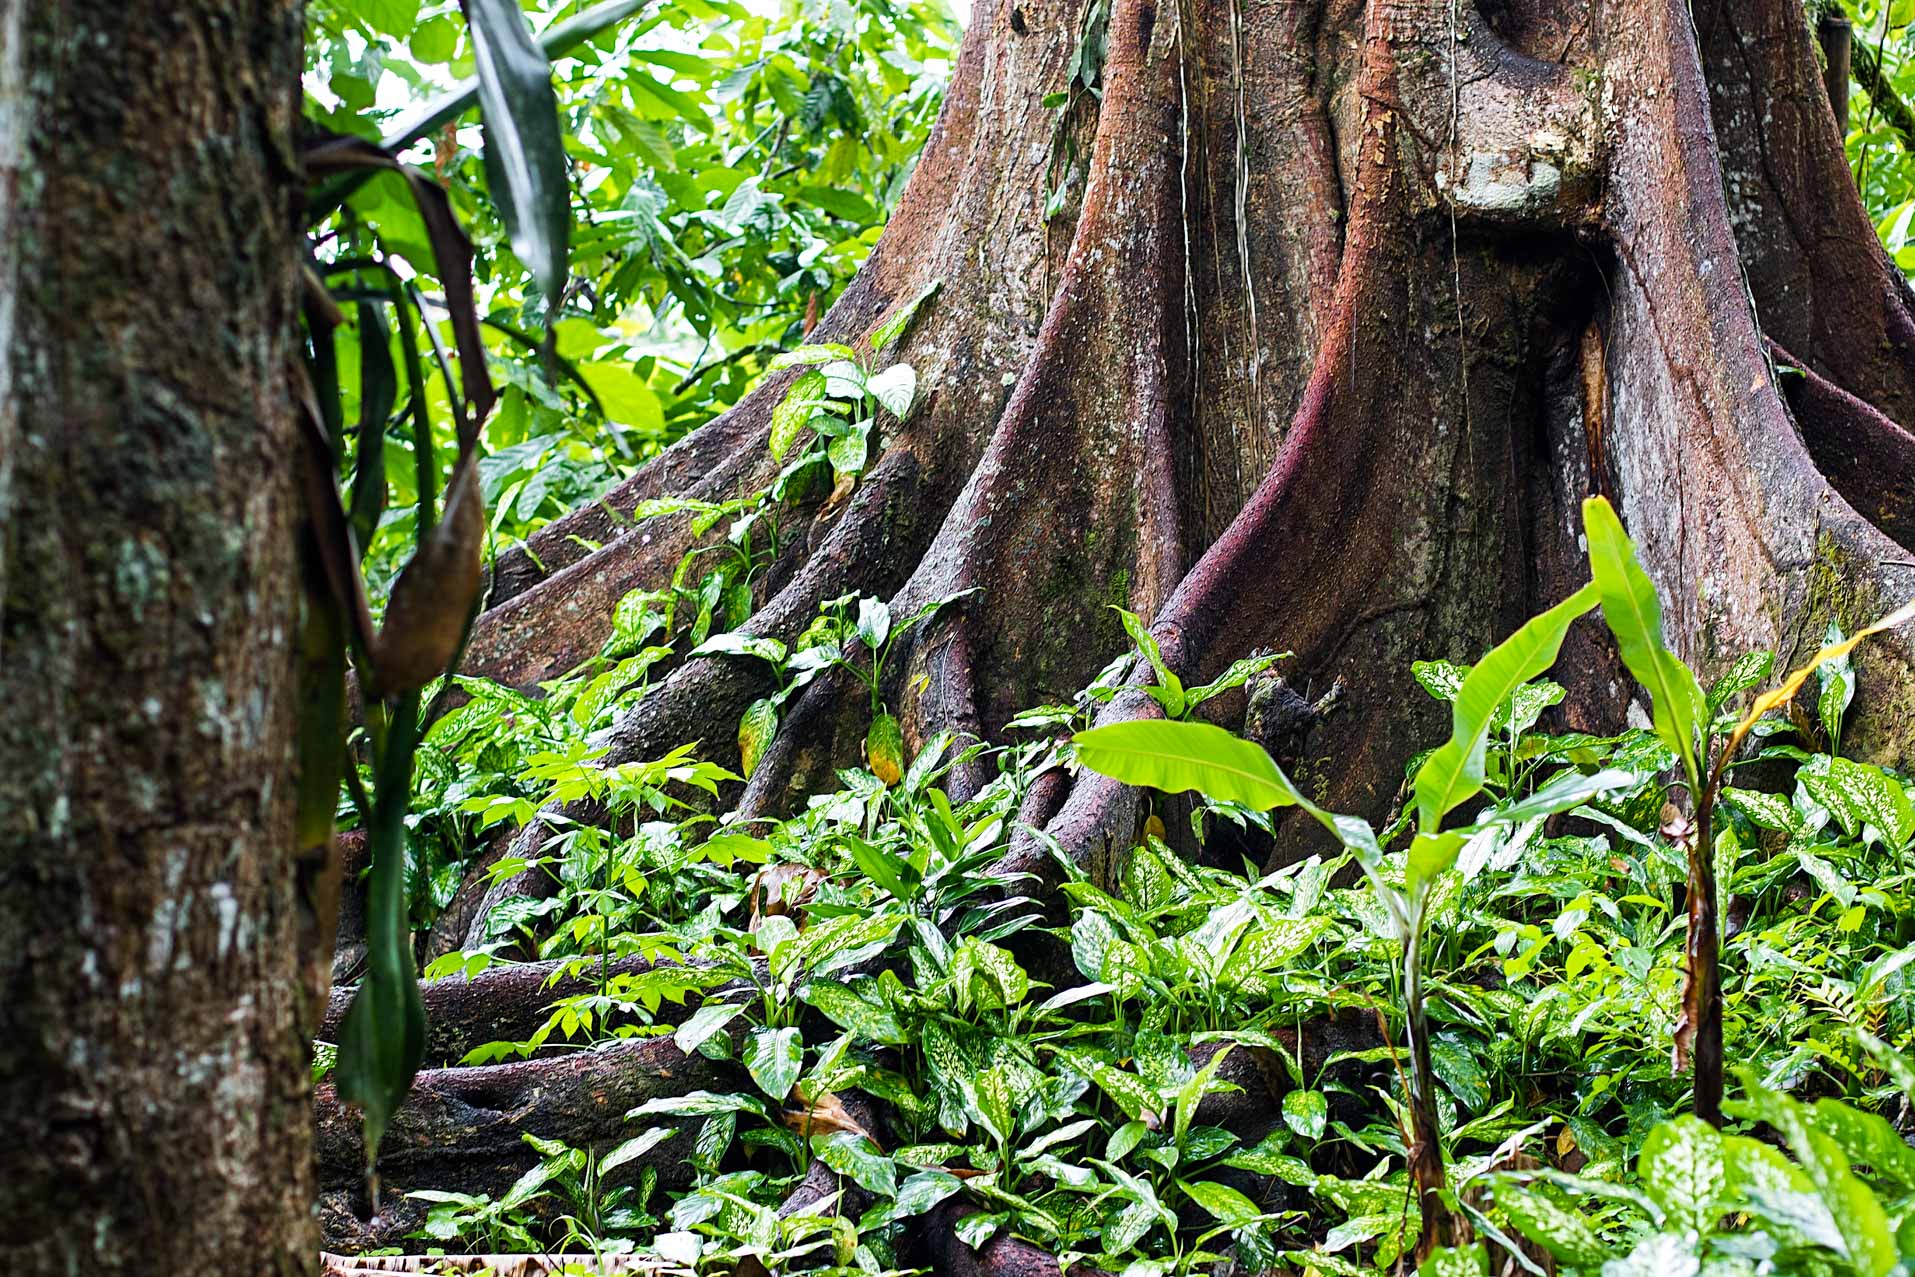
159	946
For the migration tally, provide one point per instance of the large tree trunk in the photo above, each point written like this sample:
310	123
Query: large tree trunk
1351	304
1358	301
156	936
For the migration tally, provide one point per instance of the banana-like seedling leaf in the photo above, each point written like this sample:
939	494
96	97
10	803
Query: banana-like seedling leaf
1634	615
433	597
525	160
383	1036
1177	756
1454	773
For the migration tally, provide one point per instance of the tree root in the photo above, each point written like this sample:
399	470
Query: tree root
1002	1256
462	1129
501	1003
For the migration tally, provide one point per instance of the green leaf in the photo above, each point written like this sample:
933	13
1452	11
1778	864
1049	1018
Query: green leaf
922	1191
1170	687
845	1007
1861	796
1455	1261
1126	1090
795	411
636	1147
1557	1229
1174	757
1306	1113
1838	689
849	1153
1225	1204
896	388
699	1104
1634	615
524	146
383	1037
805	356
1454	773
1681	1167
702	1023
894	325
756	727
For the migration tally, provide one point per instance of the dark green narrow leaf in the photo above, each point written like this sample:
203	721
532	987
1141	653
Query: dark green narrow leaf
559	40
452	261
524	148
384	1034
378	394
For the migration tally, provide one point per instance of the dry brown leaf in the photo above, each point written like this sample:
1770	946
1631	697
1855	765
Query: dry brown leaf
771	891
824	1116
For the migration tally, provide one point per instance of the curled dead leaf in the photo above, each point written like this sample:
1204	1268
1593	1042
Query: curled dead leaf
824	1116
433	597
777	889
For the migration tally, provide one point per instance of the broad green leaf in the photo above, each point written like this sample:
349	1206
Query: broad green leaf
1175	757
1455	1261
525	160
756	728
703	1023
636	1147
896	388
805	397
1306	1112
845	1007
1749	669
1225	1204
849	1153
1681	1167
1126	1090
995	1110
1551	1225
699	1104
922	1191
804	356
1634	615
1659	1255
1862	797
1454	773
900	319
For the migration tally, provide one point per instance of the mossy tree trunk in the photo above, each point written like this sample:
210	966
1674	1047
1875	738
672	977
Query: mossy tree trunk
157	938
1349	304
